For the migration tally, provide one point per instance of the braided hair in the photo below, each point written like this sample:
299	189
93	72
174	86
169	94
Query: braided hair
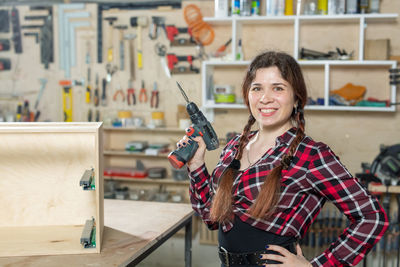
268	197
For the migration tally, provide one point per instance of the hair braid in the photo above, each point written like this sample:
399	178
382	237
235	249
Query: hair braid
221	208
244	139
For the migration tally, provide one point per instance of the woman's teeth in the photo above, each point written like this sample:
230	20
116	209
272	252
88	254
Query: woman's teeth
268	110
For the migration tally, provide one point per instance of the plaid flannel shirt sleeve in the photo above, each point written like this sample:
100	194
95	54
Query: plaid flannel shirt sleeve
201	188
368	221
201	192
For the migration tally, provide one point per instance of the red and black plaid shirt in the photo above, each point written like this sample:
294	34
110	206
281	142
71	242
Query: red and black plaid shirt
314	176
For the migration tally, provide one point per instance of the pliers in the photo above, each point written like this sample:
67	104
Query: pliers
142	94
154	96
119	92
131	92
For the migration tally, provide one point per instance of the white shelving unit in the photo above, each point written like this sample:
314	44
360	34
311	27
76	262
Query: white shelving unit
236	24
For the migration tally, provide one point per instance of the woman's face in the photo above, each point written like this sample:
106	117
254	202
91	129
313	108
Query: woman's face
271	99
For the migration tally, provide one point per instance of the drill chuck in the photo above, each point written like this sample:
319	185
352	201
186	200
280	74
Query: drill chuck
192	108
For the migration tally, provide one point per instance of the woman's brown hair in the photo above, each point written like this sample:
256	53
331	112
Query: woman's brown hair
221	209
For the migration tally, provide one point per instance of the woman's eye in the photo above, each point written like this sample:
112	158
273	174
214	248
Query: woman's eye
278	88
255	89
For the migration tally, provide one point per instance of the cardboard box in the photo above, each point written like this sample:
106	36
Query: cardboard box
377	49
43	207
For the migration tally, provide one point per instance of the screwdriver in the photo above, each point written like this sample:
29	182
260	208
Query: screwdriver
88	89
96	92
224	46
103	95
19	112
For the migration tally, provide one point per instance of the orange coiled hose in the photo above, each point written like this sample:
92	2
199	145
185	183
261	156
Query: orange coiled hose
201	31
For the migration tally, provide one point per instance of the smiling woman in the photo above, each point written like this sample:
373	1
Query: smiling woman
269	185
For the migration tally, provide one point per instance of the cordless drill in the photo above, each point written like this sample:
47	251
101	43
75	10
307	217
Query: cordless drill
200	127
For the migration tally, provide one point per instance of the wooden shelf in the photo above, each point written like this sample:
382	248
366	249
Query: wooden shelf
382	189
124	153
291	19
166	181
303	62
144	129
212	105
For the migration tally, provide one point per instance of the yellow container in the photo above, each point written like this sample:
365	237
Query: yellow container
123	114
157	118
323	7
157	115
289	8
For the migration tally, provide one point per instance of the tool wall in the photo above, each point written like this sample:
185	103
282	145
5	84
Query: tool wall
87	62
29	80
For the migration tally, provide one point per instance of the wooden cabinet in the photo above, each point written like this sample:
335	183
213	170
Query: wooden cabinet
44	209
115	155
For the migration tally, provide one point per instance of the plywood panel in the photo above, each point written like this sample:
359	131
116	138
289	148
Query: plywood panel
43	206
358	75
326	37
257	38
41	240
314	79
45	169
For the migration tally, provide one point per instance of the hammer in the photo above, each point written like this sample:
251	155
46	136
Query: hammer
130	37
121	28
139	22
110	20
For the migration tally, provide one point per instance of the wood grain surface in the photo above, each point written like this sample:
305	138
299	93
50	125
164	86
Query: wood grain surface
131	228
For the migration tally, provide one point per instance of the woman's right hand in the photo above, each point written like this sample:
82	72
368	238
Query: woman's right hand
198	158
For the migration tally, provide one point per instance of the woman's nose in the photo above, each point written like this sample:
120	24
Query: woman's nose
266	97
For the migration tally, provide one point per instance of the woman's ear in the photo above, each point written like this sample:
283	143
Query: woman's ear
296	104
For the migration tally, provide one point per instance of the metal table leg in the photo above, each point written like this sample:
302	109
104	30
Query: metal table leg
188	244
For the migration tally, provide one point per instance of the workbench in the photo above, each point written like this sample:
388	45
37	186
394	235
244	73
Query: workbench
133	229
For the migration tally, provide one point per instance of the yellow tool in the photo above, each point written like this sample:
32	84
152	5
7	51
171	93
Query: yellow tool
67	100
19	112
111	21
88	93
139	22
88	88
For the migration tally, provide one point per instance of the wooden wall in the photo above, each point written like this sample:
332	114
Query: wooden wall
354	136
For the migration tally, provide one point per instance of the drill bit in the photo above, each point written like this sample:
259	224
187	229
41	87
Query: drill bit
183	93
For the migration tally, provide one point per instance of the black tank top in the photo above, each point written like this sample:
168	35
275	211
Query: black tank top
243	238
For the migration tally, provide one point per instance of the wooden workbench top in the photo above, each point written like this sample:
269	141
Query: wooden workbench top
131	227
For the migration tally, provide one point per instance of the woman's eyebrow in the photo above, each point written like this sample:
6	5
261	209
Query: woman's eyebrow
255	84
274	84
279	84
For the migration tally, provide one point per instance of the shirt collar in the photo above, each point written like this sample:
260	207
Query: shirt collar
286	138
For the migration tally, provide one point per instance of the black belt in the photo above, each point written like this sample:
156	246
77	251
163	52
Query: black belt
230	258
